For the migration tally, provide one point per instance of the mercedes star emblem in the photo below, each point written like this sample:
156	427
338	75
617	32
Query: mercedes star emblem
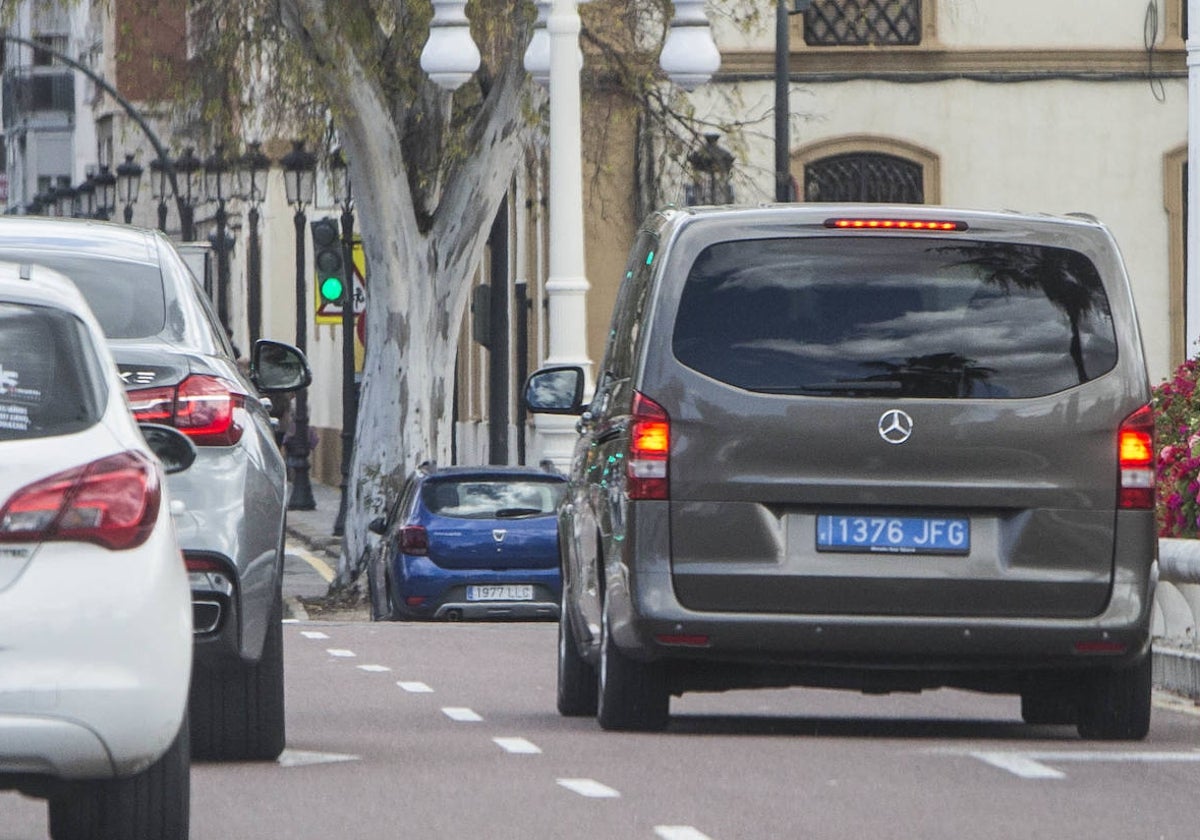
895	426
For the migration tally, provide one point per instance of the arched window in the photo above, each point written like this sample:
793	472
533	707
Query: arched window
864	176
868	169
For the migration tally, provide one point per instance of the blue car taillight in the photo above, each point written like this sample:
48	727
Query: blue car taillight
414	539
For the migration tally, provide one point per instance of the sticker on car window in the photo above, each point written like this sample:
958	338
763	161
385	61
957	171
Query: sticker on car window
15	401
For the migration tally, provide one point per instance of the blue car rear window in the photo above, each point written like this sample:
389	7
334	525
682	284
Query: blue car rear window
488	499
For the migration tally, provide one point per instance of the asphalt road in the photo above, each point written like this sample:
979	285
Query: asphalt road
449	731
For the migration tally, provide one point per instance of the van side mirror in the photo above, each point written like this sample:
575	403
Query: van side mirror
555	390
378	525
278	367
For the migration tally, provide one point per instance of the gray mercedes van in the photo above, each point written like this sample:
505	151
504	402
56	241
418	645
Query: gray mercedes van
880	448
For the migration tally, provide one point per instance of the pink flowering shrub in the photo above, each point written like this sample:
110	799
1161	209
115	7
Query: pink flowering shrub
1177	435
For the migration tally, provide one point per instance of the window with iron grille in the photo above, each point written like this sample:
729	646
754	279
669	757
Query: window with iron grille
865	176
851	23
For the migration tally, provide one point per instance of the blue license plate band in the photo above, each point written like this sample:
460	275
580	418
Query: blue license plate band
894	534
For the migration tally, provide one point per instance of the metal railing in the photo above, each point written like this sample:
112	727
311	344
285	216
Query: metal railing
1176	617
1177	602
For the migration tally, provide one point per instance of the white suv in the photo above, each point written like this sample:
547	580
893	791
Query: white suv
95	607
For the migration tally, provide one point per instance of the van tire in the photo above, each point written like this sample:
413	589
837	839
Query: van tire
633	695
1115	705
578	688
238	711
153	803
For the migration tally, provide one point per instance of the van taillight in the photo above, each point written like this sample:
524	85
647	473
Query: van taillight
414	539
112	502
649	446
202	407
861	223
1135	454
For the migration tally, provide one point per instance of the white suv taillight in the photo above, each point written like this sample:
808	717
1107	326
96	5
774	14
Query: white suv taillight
202	407
1135	453
112	502
649	446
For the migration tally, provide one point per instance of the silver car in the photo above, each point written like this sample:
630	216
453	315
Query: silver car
882	448
179	370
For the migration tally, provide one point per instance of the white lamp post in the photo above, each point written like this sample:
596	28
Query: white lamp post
554	56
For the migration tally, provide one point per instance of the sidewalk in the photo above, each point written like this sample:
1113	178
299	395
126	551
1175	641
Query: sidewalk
310	532
314	528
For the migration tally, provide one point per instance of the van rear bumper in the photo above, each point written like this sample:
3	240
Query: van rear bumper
649	623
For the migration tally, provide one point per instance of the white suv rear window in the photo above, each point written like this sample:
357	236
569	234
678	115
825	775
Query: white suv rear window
49	375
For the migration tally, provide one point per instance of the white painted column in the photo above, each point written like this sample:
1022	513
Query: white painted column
1192	323
567	286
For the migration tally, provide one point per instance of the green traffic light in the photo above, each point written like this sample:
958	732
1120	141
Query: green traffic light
332	289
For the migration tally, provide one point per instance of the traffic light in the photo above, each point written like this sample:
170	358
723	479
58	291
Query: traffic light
329	260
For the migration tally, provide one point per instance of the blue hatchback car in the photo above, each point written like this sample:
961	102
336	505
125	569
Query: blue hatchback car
469	542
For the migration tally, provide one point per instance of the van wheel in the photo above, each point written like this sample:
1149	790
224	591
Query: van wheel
1115	705
154	803
238	711
578	693
633	695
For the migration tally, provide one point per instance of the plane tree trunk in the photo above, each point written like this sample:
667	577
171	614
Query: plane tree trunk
424	221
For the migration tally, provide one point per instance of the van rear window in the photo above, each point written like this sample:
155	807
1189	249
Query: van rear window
895	316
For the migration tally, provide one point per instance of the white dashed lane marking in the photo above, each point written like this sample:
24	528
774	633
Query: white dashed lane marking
313	634
461	714
374	669
589	788
303	758
679	832
415	687
341	654
1036	765
518	746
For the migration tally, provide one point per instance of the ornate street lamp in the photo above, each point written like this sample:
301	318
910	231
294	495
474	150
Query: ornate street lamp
299	179
712	166
64	198
160	187
689	55
106	193
129	184
216	188
250	175
188	168
339	184
85	197
450	57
